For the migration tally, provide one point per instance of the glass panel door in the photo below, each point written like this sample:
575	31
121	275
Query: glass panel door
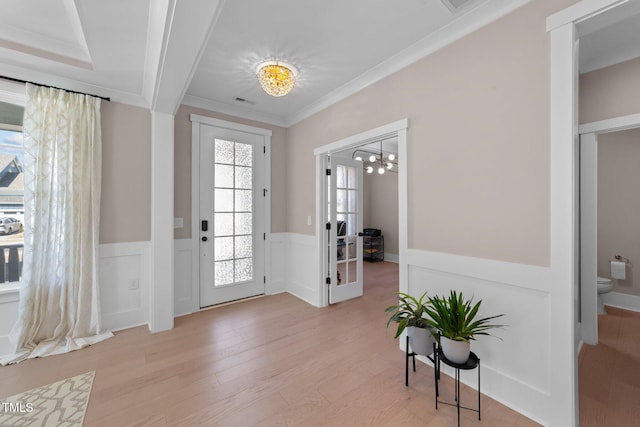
232	215
346	223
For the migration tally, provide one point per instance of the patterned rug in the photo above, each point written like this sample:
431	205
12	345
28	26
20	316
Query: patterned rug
62	403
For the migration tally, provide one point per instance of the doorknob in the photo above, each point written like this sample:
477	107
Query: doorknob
204	238
360	234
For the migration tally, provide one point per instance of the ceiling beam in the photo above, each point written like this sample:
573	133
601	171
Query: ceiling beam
186	31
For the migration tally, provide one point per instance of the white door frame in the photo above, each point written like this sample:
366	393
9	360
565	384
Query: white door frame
399	129
589	133
196	121
564	133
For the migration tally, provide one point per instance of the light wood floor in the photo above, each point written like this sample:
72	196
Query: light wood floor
610	372
269	361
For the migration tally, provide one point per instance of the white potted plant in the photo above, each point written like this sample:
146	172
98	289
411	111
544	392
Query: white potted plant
409	314
455	320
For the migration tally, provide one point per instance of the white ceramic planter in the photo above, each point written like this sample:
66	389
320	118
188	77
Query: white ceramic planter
420	340
455	351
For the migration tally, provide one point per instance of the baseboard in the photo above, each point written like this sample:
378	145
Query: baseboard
392	257
622	300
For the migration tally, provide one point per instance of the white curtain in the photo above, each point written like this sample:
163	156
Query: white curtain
59	307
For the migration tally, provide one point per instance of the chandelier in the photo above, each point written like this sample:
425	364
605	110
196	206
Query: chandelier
276	78
377	161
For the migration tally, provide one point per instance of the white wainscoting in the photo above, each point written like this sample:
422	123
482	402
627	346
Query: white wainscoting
301	267
186	274
123	268
186	293
622	300
276	272
516	370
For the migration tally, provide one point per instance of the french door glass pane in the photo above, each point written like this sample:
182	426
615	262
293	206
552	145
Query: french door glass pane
233	205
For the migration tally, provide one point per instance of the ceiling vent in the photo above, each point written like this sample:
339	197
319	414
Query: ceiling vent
456	5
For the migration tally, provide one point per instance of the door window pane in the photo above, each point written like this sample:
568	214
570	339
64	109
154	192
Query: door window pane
223	272
233	204
223	176
223	248
223	224
243	177
224	152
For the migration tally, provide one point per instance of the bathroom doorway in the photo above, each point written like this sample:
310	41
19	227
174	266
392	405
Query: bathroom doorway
603	239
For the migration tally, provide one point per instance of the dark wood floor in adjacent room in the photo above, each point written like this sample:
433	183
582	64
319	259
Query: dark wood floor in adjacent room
268	361
610	372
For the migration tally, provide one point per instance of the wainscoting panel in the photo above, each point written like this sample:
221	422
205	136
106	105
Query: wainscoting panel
124	284
186	293
516	367
276	278
301	268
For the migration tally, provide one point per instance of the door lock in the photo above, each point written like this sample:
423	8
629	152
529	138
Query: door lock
204	238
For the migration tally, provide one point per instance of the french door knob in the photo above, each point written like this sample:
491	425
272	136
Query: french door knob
204	238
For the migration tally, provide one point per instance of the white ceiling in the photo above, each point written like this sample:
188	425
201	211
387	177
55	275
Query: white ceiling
207	50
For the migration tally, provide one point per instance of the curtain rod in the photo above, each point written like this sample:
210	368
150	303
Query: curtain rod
53	87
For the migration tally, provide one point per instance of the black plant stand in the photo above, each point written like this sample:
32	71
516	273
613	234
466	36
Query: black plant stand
434	359
472	363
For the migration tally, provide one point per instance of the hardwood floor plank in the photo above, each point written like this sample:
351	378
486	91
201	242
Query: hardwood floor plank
268	361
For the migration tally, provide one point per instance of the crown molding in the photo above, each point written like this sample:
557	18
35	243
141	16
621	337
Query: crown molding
233	110
468	22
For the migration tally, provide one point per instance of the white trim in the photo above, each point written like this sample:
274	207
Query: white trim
564	131
229	125
563	126
196	122
622	300
185	276
588	241
161	290
362	137
13	93
233	110
129	307
400	129
580	11
611	125
389	257
505	288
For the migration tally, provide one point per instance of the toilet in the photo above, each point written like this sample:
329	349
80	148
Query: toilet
604	285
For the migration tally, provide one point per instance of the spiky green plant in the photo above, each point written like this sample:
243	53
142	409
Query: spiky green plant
410	311
455	318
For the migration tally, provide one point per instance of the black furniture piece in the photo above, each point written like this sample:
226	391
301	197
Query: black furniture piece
436	358
373	248
433	358
472	363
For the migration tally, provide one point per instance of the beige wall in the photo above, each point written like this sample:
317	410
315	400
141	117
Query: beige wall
619	204
610	92
381	207
182	165
125	208
478	167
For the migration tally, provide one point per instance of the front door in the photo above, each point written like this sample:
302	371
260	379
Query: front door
345	217
232	204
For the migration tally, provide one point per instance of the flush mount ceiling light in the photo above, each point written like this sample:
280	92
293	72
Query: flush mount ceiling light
276	78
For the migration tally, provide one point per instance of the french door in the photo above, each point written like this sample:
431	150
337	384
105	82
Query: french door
345	237
232	205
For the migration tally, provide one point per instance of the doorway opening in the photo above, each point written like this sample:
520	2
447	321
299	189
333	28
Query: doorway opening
341	208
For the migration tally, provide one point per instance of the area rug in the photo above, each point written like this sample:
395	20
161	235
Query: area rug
63	403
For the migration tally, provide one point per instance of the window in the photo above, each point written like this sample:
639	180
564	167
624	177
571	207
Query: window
11	193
